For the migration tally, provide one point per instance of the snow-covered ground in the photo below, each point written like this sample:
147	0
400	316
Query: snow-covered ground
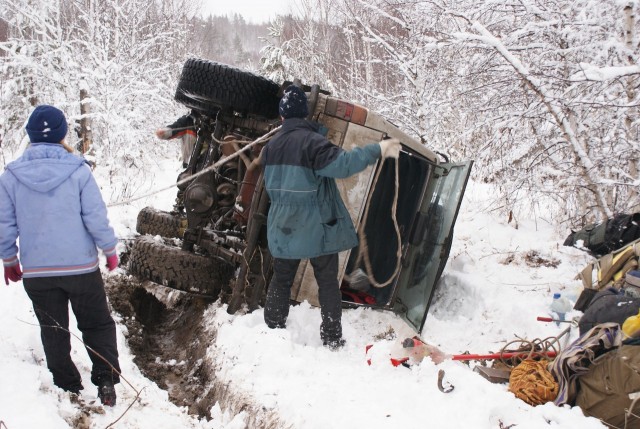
488	296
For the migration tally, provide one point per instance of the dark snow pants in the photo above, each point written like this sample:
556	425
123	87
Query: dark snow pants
325	270
50	297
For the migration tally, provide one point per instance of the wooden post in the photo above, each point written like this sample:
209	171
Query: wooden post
85	122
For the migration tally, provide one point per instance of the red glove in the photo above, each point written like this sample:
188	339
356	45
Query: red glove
112	262
13	273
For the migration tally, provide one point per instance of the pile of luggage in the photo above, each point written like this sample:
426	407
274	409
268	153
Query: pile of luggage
600	371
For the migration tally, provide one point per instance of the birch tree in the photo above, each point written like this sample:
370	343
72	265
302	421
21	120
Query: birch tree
572	156
304	48
34	63
121	55
541	93
120	51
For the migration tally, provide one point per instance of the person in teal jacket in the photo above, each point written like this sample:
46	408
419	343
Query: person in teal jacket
307	218
51	206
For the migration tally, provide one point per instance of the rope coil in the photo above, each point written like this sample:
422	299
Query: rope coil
363	248
532	382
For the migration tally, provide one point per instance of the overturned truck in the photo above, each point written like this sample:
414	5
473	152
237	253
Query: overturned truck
217	245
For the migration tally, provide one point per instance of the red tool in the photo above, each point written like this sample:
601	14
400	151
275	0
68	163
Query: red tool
505	355
550	319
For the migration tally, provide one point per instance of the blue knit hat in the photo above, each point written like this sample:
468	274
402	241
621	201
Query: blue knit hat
46	124
293	103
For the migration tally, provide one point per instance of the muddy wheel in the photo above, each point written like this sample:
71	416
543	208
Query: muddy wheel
166	264
208	86
157	222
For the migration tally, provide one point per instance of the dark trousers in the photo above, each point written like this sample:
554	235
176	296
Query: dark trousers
50	297
325	270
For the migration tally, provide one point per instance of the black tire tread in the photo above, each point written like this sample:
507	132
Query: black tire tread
157	222
173	267
208	86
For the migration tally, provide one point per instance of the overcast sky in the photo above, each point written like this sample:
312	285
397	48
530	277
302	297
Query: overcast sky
256	11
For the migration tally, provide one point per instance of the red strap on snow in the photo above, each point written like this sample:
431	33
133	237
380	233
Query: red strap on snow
398	362
394	362
366	350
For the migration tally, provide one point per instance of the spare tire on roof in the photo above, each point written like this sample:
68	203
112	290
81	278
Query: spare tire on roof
208	86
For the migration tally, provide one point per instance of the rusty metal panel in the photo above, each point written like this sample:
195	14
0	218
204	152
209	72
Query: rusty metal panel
359	115
346	111
377	122
336	129
331	106
354	190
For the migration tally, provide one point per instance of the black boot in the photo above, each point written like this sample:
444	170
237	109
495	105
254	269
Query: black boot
107	393
334	344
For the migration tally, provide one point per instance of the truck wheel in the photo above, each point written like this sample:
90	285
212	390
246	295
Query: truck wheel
157	222
208	86
168	265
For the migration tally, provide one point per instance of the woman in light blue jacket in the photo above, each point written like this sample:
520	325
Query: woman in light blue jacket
50	201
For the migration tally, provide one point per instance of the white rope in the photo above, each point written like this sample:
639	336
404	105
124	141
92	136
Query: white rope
201	172
363	251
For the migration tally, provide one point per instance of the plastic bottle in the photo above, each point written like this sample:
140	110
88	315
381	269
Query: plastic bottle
560	306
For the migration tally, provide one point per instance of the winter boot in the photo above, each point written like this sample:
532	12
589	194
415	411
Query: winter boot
107	393
334	344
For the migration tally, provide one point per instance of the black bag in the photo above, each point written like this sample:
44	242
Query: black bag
608	306
584	299
605	237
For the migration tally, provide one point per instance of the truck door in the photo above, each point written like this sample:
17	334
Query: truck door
430	242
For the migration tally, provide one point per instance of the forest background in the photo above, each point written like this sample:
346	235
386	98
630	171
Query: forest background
542	94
